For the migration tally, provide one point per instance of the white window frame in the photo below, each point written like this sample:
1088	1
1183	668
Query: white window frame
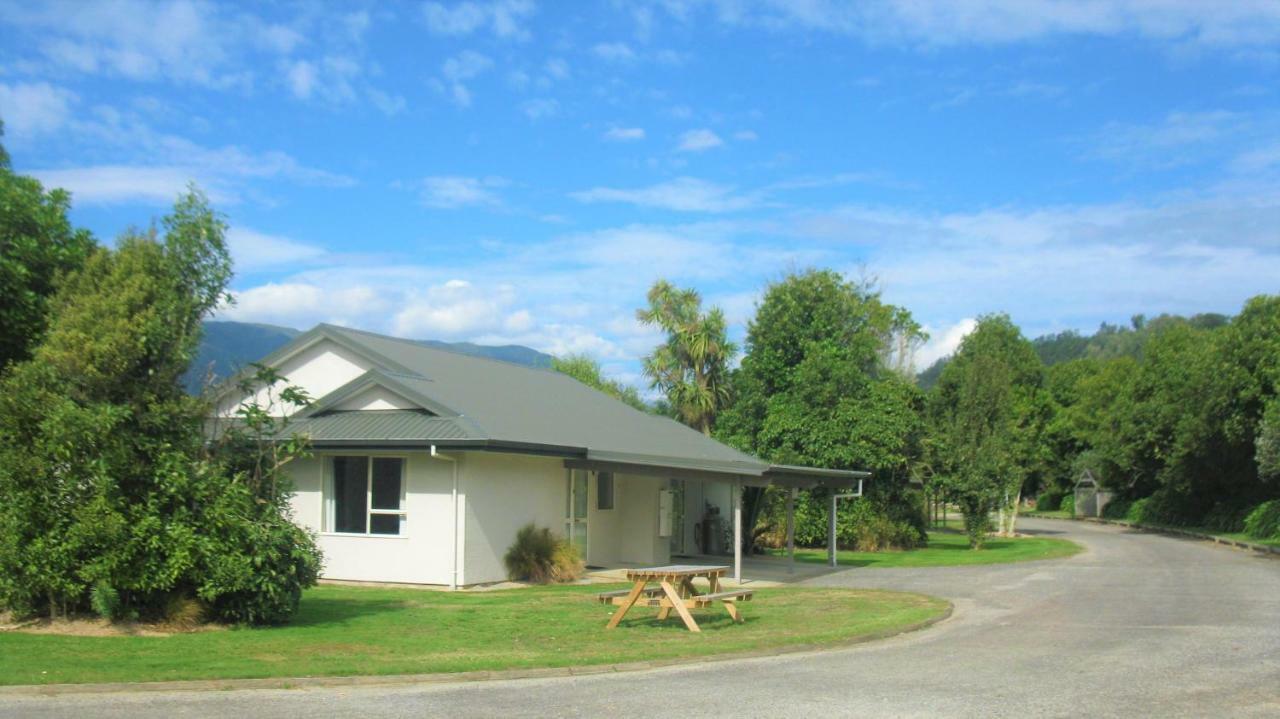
330	500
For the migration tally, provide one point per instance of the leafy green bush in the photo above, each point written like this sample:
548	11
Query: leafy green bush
541	557
1227	517
105	601
1264	521
1117	508
1048	501
1069	504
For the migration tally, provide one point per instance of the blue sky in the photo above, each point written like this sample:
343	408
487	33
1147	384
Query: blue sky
517	171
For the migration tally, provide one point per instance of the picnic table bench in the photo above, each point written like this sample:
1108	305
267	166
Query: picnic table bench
676	591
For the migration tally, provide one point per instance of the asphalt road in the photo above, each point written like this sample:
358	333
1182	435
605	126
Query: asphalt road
1137	625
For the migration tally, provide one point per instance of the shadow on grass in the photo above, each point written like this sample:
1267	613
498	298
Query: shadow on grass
330	611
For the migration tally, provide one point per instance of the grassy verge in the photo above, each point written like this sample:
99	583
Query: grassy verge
947	549
1054	514
344	631
1235	536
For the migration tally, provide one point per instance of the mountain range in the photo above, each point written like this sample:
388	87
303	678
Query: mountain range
228	346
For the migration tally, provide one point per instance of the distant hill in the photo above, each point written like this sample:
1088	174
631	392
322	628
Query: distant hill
1110	341
228	346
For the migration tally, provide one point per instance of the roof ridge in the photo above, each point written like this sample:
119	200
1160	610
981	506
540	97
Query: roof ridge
419	344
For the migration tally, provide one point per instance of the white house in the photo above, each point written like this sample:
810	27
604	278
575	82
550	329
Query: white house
426	462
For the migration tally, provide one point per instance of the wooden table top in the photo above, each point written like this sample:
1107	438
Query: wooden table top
676	570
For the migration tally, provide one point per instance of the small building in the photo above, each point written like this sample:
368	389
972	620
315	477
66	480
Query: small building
426	462
1090	498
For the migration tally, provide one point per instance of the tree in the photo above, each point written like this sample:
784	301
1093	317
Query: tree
587	371
691	366
987	413
108	484
38	246
820	385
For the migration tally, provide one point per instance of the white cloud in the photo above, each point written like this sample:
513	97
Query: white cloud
988	22
31	109
253	251
624	134
746	136
699	141
460	68
943	342
540	108
614	52
451	192
504	18
684	194
112	184
302	79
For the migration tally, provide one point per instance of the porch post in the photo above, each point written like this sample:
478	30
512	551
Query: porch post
737	531
791	529
831	530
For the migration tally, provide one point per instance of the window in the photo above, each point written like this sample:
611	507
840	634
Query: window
604	490
367	495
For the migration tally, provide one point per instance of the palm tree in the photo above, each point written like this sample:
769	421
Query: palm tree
692	366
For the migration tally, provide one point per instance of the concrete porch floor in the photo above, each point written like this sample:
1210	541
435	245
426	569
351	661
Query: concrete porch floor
757	571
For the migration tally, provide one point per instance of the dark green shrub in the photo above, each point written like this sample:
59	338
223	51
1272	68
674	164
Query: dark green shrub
1048	501
539	556
1264	521
1227	517
1117	508
1069	504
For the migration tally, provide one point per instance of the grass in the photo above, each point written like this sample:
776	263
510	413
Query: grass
343	631
1051	514
1236	536
948	549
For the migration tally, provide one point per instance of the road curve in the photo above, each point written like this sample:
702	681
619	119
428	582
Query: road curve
1137	625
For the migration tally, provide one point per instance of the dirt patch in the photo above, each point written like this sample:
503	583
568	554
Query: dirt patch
103	628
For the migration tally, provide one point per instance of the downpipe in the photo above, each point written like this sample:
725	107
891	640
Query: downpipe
453	577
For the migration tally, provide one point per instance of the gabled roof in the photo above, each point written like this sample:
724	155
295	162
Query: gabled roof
478	402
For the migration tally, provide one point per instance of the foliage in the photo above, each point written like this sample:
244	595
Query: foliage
1068	505
38	246
104	467
820	385
538	555
691	367
987	416
1048	501
947	549
587	371
870	523
105	601
1264	521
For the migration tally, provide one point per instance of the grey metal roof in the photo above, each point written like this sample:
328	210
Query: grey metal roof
499	404
394	425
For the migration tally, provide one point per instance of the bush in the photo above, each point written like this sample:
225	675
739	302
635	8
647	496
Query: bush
105	601
541	557
1069	504
1117	508
1264	521
1227	517
1048	501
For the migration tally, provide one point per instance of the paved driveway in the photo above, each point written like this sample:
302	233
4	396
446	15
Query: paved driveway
1138	625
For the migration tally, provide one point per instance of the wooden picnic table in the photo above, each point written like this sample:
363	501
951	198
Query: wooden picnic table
676	591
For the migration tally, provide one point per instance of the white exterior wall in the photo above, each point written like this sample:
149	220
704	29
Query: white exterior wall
319	369
497	494
504	492
421	555
375	398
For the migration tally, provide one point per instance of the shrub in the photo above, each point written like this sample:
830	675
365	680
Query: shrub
1048	501
539	556
1264	521
1227	517
1117	508
105	601
1069	504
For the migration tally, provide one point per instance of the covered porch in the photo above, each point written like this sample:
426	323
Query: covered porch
700	513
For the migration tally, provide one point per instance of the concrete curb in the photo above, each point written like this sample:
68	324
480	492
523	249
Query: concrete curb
199	685
1263	549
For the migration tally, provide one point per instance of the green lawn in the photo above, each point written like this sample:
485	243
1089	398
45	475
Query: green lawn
343	631
946	549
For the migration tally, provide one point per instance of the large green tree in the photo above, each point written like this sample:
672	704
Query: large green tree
987	415
819	384
38	246
691	366
109	488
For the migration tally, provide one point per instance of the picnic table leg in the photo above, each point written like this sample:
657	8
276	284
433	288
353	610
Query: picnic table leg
714	579
732	609
626	605
678	602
